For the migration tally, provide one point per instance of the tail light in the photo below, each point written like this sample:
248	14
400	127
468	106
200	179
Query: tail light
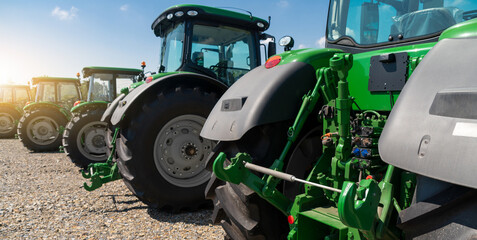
149	79
273	61
76	103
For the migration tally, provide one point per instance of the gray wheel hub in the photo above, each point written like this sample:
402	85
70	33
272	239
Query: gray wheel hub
7	122
91	141
180	152
43	130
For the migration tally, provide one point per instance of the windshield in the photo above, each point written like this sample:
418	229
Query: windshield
6	95
229	52
171	51
105	88
370	22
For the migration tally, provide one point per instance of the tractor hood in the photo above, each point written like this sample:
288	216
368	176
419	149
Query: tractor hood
432	129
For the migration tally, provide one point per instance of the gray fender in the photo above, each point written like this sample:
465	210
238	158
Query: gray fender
432	129
135	99
261	96
111	107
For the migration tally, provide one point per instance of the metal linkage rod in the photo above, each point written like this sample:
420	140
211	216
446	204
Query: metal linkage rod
286	176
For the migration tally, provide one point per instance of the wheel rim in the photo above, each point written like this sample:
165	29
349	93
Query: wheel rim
7	123
180	152
43	130
91	141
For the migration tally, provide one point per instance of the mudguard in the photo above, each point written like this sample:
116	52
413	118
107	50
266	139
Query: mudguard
135	98
111	107
12	106
36	105
432	129
89	105
261	96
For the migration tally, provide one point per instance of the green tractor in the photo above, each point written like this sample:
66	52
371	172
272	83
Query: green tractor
42	125
12	100
84	138
158	150
315	152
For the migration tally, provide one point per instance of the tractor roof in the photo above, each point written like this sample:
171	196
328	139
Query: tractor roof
221	16
37	80
14	86
88	71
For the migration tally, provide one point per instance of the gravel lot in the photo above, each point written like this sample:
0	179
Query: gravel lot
42	197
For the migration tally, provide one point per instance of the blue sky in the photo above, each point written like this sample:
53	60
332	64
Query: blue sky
59	38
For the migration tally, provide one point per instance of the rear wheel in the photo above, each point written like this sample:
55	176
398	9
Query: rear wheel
39	130
84	139
241	212
161	155
8	125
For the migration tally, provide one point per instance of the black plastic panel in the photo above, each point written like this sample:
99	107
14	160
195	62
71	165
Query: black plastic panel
388	72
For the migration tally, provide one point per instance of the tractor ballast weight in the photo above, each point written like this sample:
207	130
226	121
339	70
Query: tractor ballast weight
134	99
337	185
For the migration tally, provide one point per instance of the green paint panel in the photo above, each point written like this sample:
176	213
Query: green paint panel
319	223
462	30
91	104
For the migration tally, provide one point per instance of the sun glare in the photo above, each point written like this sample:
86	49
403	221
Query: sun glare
12	73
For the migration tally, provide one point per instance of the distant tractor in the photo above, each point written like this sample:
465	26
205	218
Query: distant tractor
84	136
43	123
160	154
12	100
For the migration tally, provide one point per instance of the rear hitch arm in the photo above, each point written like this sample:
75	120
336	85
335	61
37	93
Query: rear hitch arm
101	173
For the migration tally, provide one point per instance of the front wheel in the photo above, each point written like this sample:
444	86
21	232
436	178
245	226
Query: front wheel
84	139
8	119
161	155
39	130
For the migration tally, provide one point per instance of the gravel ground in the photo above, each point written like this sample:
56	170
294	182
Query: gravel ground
41	197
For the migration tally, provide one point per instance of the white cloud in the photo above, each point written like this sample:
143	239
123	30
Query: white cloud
64	14
124	7
282	4
321	42
301	46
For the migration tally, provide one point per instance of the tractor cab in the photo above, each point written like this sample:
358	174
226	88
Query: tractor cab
12	100
18	95
61	91
215	42
364	25
105	83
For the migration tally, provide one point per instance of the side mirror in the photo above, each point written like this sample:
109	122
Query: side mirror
272	49
287	42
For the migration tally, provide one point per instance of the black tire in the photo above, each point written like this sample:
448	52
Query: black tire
49	138
8	122
143	166
84	138
241	212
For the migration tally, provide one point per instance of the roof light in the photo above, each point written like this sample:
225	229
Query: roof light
260	24
192	13
273	61
149	79
179	14
143	64
77	75
169	16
